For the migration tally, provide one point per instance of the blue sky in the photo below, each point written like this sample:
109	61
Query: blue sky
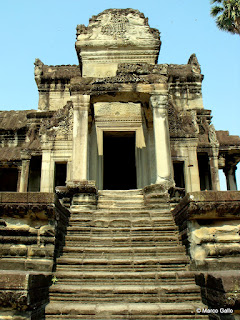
43	29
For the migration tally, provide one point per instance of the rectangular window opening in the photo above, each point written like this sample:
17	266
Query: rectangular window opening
8	179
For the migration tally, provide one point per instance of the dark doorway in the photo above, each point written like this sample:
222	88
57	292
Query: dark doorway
35	174
204	172
60	174
119	169
8	179
178	168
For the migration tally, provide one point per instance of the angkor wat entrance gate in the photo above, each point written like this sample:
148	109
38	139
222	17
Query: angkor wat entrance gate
130	150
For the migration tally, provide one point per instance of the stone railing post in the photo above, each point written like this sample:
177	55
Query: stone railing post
162	140
80	138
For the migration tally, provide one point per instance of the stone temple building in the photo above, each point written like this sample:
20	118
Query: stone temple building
110	204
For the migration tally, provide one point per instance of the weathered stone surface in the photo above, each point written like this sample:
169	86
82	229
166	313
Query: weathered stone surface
220	289
209	225
107	40
23	295
31	231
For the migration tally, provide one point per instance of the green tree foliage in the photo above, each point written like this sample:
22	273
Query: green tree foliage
227	14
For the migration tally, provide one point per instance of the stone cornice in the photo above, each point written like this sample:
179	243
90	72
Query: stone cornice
43	206
208	205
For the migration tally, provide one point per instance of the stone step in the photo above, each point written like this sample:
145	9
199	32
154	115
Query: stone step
108	217
126	224
126	311
123	235
126	208
136	223
121	255
121	198
115	292
87	250
146	297
119	243
111	204
123	268
116	214
123	262
123	243
121	232
126	277
121	192
121	240
125	317
164	210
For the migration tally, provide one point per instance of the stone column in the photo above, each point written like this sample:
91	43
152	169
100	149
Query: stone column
47	171
193	181
80	137
214	171
19	177
23	186
161	139
230	173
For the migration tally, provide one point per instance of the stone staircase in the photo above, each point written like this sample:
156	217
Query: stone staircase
123	261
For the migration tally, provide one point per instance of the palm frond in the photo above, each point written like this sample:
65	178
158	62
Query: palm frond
216	10
216	1
227	14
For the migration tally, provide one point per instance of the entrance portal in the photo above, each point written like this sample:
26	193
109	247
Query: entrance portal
119	169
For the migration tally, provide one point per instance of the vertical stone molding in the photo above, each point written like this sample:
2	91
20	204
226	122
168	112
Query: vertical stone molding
24	175
80	137
161	139
230	173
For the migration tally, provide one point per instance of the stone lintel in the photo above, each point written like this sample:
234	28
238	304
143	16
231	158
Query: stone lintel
88	86
208	205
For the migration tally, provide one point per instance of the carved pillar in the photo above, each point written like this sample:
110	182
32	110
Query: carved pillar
162	139
23	185
47	171
193	180
19	177
213	159
80	138
230	173
214	171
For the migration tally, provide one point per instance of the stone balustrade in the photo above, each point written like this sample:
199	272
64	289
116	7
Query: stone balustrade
209	224
32	233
